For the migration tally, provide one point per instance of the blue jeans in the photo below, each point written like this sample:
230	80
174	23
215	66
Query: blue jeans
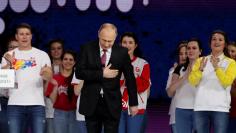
145	121
17	116
81	127
184	120
3	115
203	119
64	121
130	124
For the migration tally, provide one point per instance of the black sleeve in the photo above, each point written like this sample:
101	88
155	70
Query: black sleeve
177	69
82	69
130	79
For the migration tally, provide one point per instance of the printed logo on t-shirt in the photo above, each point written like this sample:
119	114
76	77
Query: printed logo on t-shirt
137	69
23	64
62	89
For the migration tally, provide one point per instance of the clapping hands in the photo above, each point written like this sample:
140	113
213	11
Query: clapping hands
46	72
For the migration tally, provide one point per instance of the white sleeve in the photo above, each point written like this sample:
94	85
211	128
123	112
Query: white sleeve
45	60
79	117
4	62
169	78
75	80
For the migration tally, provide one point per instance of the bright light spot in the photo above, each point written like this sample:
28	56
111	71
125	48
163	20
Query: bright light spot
3	5
40	6
103	5
82	5
19	5
145	2
124	5
2	26
61	2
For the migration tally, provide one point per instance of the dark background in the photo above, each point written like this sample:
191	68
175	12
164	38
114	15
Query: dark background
160	26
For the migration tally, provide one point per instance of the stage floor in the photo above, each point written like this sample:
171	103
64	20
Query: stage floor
158	118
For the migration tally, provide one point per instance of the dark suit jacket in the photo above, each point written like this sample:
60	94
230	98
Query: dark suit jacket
89	69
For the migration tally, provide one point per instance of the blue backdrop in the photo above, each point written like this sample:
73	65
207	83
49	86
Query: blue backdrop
160	26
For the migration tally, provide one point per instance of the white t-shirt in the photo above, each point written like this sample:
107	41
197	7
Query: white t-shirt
49	110
211	95
79	117
185	94
28	65
173	100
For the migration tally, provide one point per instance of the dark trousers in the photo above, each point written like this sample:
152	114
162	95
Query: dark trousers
3	115
102	118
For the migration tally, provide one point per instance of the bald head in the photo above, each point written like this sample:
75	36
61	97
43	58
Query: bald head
107	35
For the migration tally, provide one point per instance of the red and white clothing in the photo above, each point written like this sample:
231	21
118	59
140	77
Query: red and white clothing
142	74
62	102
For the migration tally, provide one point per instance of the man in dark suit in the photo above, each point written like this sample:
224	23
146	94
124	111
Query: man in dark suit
100	66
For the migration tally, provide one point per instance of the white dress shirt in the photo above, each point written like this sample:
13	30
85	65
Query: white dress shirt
108	56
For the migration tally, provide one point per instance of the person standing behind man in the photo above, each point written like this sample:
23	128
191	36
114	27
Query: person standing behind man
128	123
12	44
56	49
100	66
31	66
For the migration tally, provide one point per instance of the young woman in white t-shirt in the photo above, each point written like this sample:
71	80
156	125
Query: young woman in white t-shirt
183	91
182	56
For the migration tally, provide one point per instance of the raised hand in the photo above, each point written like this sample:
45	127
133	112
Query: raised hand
109	73
46	72
10	58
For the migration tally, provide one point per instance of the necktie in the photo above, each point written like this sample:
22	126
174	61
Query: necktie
103	58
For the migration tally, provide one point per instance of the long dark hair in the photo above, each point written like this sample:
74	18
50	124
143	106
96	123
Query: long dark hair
180	46
70	89
232	43
50	43
194	39
225	37
137	51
